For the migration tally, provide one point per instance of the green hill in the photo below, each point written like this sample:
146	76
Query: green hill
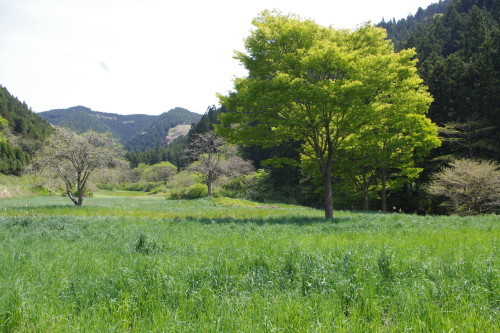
21	133
136	132
82	119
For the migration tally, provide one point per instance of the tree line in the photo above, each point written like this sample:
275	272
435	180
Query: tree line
342	119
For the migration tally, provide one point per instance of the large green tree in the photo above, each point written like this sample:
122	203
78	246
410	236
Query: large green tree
384	155
318	86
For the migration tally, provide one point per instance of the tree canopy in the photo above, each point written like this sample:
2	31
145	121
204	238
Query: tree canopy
319	86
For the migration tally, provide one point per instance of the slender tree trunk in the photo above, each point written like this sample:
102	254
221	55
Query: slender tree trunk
327	180
365	198
383	194
365	192
209	183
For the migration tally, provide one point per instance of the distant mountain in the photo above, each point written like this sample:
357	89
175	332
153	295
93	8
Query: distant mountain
157	133
82	119
136	132
21	133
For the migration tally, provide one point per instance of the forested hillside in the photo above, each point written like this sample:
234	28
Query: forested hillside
399	31
459	62
136	132
175	151
82	119
21	133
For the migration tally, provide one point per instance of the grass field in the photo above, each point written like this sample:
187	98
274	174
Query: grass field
145	264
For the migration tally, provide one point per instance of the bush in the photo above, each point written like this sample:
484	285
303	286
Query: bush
184	179
159	172
157	189
105	187
195	191
254	186
41	190
145	187
468	187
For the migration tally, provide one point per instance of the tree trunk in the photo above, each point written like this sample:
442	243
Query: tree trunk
383	194
80	186
80	198
365	199
70	195
365	192
327	180
209	183
209	187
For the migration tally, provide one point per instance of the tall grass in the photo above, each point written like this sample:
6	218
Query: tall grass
143	264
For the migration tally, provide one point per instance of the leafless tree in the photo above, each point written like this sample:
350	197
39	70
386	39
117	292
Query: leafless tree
468	186
213	158
75	157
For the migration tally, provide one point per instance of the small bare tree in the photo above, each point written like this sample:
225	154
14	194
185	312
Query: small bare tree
468	186
213	158
75	157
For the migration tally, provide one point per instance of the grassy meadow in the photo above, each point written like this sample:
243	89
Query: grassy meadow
146	264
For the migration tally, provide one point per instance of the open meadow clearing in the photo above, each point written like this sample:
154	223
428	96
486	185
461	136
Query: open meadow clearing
222	265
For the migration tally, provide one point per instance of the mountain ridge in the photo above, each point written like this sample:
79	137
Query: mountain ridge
135	131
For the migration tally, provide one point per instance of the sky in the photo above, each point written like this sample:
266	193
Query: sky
146	56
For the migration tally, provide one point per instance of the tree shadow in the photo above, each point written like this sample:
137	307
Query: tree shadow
34	206
294	220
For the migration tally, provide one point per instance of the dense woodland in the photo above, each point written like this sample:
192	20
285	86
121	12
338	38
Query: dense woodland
399	31
456	45
22	133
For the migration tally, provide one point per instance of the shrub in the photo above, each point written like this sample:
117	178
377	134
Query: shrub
105	187
468	187
41	190
159	172
254	186
195	191
157	189
184	179
145	187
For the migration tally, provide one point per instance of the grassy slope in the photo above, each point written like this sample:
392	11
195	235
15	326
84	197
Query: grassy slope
147	264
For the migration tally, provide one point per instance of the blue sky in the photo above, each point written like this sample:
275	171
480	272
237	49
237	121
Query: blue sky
145	56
